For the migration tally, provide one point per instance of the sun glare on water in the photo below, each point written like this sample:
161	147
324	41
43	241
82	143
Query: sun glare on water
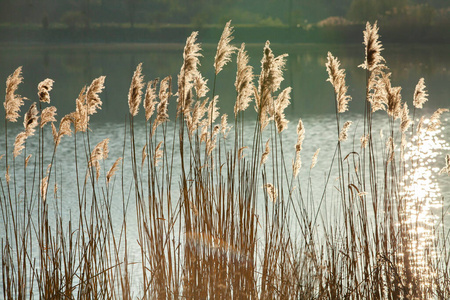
422	199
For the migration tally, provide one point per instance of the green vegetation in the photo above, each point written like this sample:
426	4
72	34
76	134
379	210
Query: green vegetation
219	214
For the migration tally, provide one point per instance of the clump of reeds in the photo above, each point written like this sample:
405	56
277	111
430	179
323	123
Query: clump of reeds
220	226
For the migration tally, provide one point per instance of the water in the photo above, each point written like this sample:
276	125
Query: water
74	66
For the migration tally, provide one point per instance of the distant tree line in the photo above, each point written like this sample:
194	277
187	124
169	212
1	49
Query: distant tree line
86	13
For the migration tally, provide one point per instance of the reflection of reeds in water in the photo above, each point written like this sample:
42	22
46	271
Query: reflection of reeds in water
223	223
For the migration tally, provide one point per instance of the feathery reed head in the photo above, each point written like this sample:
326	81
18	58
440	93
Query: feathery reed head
93	101
30	120
296	165
265	155
271	192
48	115
337	79
393	97
404	117
314	158
435	119
343	134
244	81
420	94
112	170
150	99
158	154
161	110
44	87
135	92
64	129
281	103
373	48
19	143
13	102
446	169
224	49
100	152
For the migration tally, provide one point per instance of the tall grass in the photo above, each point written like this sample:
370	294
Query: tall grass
219	214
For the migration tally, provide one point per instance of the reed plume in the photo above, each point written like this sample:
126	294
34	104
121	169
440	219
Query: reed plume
150	99
446	169
44	87
343	134
43	188
281	103
393	97
314	158
364	140
161	110
64	129
100	152
158	153
48	115
135	92
30	123
420	94
200	86
435	119
93	101
113	170
265	154
373	48
80	117
224	49
27	160
241	152
269	82
189	70
244	81
144	155
297	164
336	77
404	117
224	128
7	176
13	102
271	192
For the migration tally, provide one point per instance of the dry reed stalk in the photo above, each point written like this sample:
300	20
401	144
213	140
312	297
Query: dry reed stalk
224	49
7	176
420	94
13	102
144	155
113	170
44	87
135	92
244	81
336	77
343	134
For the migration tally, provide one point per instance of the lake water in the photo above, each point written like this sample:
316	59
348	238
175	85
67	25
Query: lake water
73	66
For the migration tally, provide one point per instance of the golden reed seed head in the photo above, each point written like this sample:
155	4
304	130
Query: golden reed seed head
373	48
13	102
224	49
158	154
271	192
48	115
314	158
244	81
161	110
112	170
420	94
343	134
135	92
435	119
44	87
336	77
144	155
150	99
265	155
92	99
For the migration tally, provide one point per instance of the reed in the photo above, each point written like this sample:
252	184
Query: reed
219	216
